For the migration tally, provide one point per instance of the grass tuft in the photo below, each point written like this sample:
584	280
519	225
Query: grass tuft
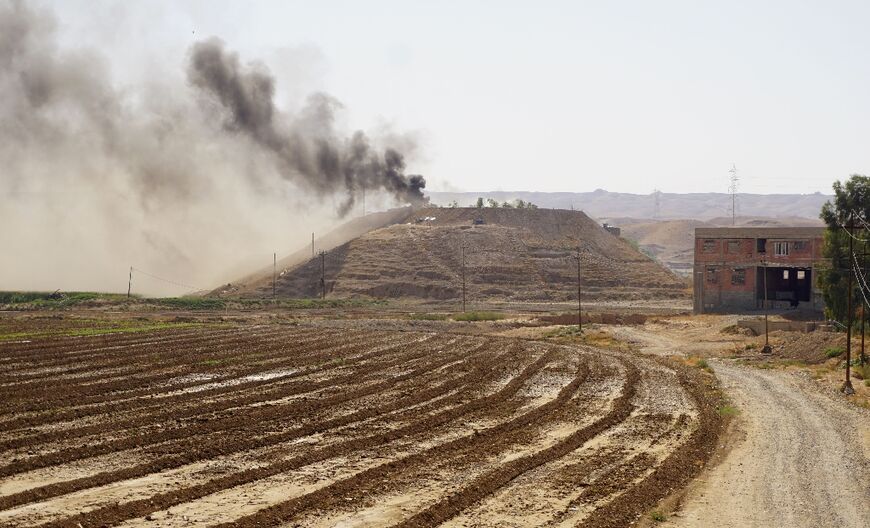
728	410
832	352
658	516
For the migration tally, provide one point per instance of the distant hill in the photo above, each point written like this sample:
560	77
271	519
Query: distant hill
699	206
511	255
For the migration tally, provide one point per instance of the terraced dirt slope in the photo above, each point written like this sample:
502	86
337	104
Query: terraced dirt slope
279	425
522	255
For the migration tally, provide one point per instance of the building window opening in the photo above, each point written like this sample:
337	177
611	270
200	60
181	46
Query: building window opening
799	245
801	274
733	246
761	245
709	246
712	275
784	274
738	276
780	249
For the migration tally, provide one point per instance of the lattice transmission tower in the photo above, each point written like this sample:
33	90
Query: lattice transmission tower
732	189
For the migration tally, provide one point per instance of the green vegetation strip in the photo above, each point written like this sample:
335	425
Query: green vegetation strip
49	300
79	332
478	316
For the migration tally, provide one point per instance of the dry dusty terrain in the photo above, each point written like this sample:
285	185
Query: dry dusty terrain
515	255
243	424
800	455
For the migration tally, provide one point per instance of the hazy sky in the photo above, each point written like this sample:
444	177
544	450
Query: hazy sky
550	96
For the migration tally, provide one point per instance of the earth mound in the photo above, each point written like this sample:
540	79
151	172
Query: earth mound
510	255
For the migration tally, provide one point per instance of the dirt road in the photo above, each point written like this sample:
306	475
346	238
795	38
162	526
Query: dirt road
800	458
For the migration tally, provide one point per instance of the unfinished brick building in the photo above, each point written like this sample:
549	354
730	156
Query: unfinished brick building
731	264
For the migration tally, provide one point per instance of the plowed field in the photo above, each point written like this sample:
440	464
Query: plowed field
279	425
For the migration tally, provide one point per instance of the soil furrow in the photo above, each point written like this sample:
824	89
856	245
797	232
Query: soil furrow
260	416
126	405
235	391
494	480
335	492
230	446
113	514
157	368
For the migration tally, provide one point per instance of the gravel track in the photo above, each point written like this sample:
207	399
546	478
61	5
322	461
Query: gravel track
802	459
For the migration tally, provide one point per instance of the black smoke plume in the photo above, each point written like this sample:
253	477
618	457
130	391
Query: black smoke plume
308	150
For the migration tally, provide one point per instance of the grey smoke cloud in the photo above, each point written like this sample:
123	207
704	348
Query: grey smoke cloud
193	181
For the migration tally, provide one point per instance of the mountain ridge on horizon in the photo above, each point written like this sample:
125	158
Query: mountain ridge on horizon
604	204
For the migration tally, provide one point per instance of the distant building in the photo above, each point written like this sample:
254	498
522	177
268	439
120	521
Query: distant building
613	230
731	264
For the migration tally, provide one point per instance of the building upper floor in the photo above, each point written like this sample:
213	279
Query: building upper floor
774	245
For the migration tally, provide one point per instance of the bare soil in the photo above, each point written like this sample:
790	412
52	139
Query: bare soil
326	423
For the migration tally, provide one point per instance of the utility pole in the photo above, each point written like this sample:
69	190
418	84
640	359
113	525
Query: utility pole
130	282
274	272
463	277
847	385
364	200
323	274
766	348
312	244
733	190
579	303
863	358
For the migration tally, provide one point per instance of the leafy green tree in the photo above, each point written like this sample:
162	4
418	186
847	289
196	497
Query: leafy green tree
491	203
850	206
454	204
506	205
479	203
520	204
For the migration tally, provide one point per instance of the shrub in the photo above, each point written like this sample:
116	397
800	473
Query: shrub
658	516
478	316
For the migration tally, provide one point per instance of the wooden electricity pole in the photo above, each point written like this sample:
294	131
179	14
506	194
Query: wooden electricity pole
323	274
847	385
766	348
863	358
463	277
130	282
274	271
579	303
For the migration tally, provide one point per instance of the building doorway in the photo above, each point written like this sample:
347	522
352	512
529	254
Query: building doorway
792	285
